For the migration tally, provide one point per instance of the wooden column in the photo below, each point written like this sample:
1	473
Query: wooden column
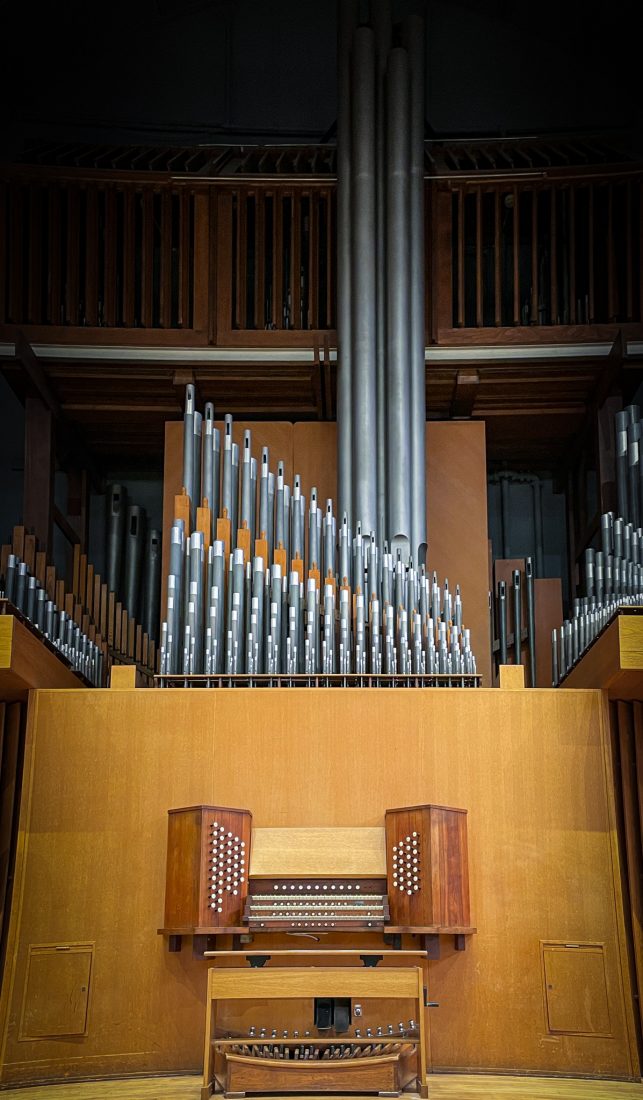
38	493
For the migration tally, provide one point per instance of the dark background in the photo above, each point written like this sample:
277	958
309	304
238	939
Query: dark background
194	71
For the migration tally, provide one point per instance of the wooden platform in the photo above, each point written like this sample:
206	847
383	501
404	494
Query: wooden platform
614	662
26	662
441	1087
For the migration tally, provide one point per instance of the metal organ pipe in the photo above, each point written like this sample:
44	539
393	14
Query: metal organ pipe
329	604
363	262
381	17
413	31
347	21
397	301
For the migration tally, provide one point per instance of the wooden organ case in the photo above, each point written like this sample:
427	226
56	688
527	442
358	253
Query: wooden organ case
371	895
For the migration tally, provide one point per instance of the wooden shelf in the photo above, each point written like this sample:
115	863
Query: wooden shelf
355	952
614	661
26	662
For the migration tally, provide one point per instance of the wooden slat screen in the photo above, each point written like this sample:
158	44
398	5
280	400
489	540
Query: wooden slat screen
564	253
96	254
283	258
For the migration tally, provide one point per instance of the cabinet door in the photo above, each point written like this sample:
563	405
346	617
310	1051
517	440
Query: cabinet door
56	996
575	982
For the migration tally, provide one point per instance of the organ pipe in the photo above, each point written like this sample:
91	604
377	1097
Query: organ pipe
324	601
363	262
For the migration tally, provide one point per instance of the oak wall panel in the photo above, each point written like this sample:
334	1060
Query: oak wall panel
103	767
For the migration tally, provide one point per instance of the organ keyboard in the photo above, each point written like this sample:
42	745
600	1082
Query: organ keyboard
323	905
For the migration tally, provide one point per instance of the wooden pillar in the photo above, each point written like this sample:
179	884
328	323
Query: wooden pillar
38	493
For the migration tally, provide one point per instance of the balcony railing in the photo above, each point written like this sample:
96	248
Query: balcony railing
140	259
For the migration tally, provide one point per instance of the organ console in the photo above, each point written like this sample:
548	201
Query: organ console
350	892
416	877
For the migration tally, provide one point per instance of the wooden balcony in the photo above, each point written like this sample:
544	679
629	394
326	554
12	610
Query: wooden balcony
221	266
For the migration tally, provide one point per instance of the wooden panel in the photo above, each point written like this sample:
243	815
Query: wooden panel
540	852
204	842
11	749
576	989
512	677
630	635
56	998
427	871
548	598
614	662
26	663
329	981
318	852
456	502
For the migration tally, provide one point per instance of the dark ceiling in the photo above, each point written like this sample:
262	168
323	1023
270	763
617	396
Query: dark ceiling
189	71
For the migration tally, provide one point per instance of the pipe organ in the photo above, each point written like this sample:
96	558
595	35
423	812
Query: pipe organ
262	586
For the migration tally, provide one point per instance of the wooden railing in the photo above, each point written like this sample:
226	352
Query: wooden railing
551	254
97	254
155	260
275	262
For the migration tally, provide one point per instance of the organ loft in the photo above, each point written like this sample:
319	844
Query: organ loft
321	554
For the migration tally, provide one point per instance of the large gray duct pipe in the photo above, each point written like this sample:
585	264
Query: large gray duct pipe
363	258
414	42
381	18
347	21
116	515
397	301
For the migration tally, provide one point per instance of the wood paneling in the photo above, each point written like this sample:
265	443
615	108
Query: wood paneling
93	831
318	852
456	504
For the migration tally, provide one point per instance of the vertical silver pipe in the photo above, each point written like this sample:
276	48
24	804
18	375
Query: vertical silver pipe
208	452
537	490
226	488
517	601
198	428
116	516
397	302
215	502
363	261
531	620
381	20
413	34
188	448
347	16
134	544
152	580
622	421
633	448
247	503
502	623
504	511
234	512
263	496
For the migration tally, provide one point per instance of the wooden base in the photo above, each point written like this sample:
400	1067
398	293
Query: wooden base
385	1075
